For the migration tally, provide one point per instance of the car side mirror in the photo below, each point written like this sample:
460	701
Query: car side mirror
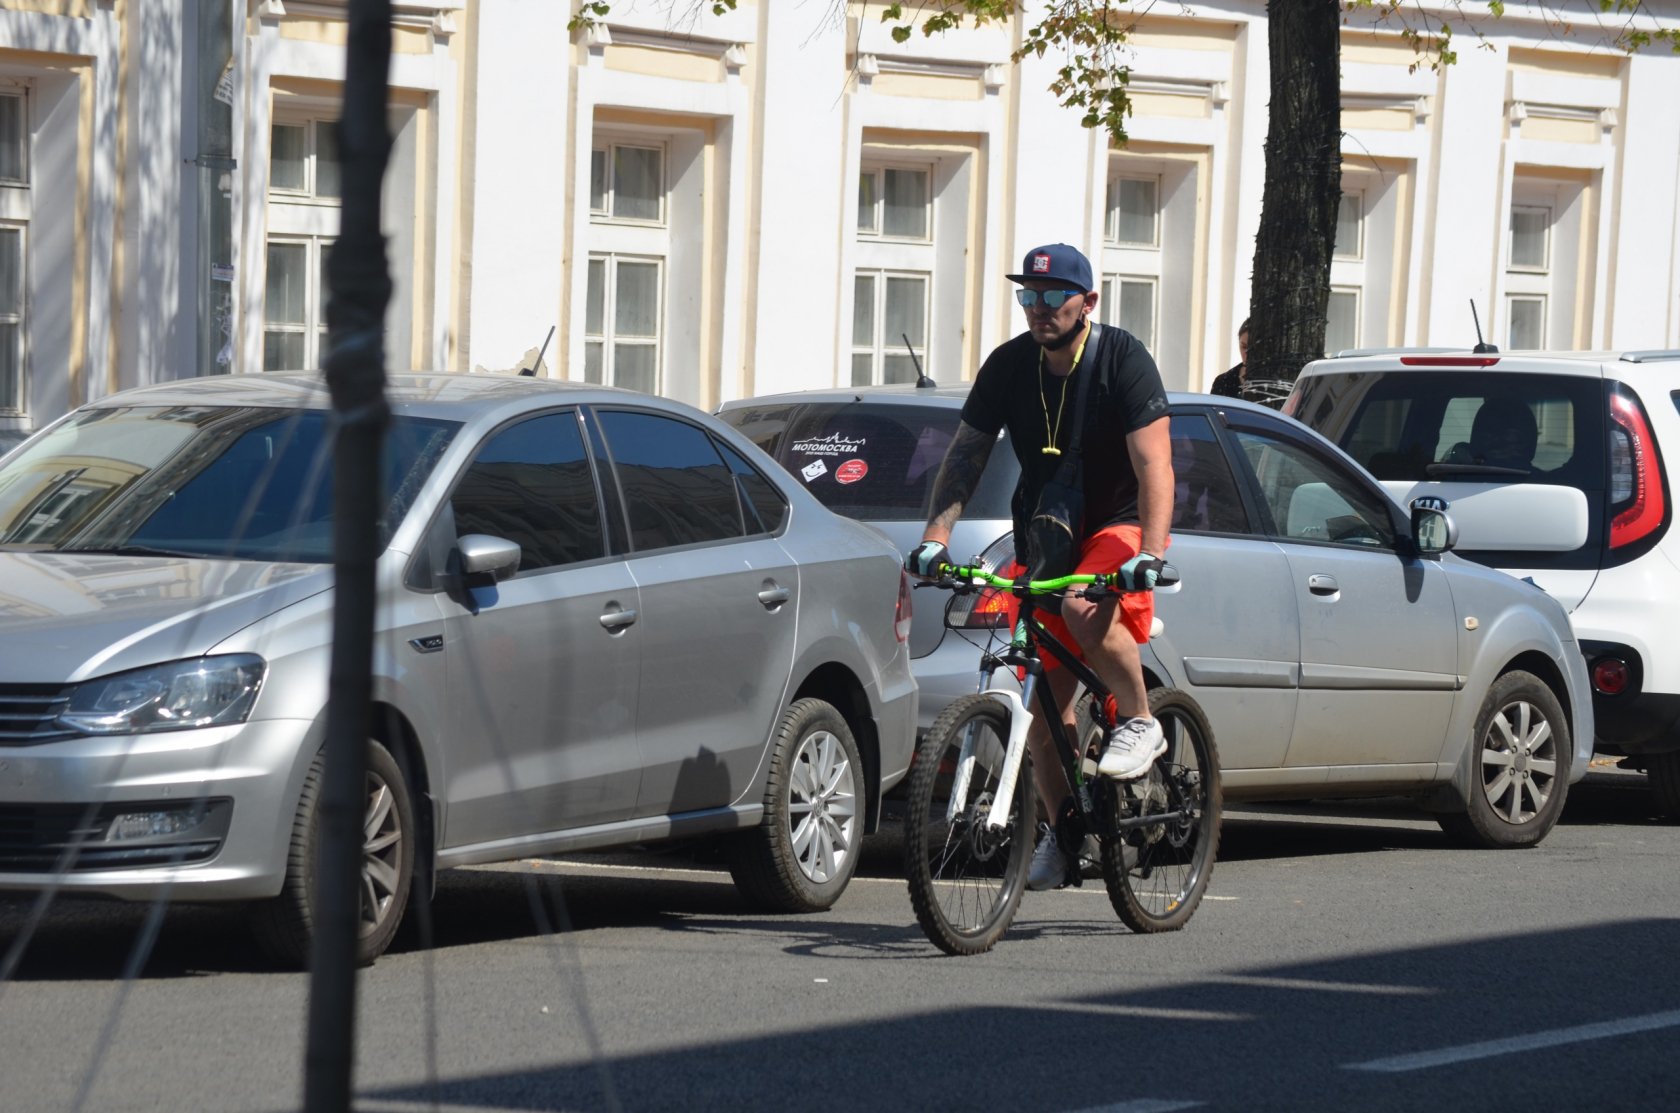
1433	531
482	558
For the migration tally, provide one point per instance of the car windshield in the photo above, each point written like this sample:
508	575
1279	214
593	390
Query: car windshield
872	461
249	483
1458	426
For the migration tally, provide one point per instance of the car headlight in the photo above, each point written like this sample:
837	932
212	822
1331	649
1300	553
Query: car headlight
202	692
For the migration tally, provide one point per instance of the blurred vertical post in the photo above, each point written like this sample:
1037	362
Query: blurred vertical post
212	183
361	288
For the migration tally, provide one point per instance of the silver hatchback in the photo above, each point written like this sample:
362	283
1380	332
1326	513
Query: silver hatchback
603	619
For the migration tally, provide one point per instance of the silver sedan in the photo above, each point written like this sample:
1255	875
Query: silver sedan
604	619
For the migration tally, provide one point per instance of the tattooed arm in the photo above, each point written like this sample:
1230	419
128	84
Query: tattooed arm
958	476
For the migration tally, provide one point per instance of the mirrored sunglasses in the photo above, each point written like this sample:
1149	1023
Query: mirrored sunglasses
1053	299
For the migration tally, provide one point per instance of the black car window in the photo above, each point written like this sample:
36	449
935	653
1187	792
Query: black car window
761	502
873	461
1310	498
532	483
1464	425
676	488
1205	498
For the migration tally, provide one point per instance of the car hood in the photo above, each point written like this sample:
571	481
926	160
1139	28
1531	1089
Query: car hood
69	616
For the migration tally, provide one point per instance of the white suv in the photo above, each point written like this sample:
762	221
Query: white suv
1558	467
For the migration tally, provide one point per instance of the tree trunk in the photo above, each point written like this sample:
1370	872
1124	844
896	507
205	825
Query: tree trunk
1291	289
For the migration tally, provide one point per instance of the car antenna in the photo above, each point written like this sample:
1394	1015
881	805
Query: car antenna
1481	345
921	378
536	363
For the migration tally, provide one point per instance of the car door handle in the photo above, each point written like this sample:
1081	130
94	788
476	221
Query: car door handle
1320	584
616	620
774	595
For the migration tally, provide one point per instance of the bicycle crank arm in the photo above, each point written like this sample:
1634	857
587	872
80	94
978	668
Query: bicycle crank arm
1153	819
1019	720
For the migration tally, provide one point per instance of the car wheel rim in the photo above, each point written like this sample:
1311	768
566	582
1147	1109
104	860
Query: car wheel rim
822	807
382	837
1519	762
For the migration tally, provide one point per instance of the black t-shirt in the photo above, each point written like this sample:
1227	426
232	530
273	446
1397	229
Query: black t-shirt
1229	384
1012	389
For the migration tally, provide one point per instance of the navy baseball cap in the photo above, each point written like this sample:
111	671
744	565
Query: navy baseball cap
1057	262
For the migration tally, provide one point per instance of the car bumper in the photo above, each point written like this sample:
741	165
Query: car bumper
59	803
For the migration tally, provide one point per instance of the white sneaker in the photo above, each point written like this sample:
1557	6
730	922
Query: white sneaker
1132	746
1049	867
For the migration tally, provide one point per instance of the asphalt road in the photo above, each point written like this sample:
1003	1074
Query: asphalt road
1344	959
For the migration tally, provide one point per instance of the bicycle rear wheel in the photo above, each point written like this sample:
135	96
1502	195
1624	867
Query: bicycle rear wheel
966	877
1156	873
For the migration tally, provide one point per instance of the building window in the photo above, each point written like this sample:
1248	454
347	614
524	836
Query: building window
12	296
630	212
1531	227
1542	294
1341	325
1527	317
1350	239
303	160
15	213
1133	212
622	312
895	202
305	190
627	182
889	326
295	304
14	139
1129	302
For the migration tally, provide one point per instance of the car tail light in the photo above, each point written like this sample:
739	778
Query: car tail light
901	620
1636	484
1448	361
990	608
1609	676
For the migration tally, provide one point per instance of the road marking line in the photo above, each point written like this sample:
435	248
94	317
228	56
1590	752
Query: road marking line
1144	1105
1145	1011
1489	1048
1317	986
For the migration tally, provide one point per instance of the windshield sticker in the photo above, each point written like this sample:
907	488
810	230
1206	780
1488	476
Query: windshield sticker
814	471
851	471
835	444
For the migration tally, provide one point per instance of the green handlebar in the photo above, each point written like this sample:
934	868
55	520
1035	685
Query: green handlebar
979	576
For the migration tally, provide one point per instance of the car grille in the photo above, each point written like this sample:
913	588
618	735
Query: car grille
36	838
29	713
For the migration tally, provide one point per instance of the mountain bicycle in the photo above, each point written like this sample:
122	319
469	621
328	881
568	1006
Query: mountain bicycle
971	807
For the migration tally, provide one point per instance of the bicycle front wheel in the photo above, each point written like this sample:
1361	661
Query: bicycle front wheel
966	877
1156	871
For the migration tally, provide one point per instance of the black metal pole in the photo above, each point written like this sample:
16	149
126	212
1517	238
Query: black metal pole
361	288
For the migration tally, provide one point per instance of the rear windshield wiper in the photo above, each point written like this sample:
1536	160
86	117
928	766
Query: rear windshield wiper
1436	471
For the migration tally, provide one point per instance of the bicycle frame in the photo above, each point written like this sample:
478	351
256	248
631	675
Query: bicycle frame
1023	652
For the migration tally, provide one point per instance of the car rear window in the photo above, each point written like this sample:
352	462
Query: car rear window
1464	426
872	461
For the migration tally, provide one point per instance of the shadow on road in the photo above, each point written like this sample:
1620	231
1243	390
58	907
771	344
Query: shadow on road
1154	1047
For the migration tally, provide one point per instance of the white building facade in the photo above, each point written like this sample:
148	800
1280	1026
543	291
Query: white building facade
782	197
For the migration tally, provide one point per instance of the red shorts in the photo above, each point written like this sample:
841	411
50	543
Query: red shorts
1105	551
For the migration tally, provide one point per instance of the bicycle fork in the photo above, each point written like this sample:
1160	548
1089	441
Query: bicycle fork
1019	720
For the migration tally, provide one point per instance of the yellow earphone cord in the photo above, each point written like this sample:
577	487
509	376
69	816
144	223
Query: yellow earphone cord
1051	435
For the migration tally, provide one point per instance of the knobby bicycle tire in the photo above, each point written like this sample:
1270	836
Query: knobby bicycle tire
1156	874
965	878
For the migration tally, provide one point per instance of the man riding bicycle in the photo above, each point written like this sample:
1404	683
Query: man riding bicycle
1031	385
